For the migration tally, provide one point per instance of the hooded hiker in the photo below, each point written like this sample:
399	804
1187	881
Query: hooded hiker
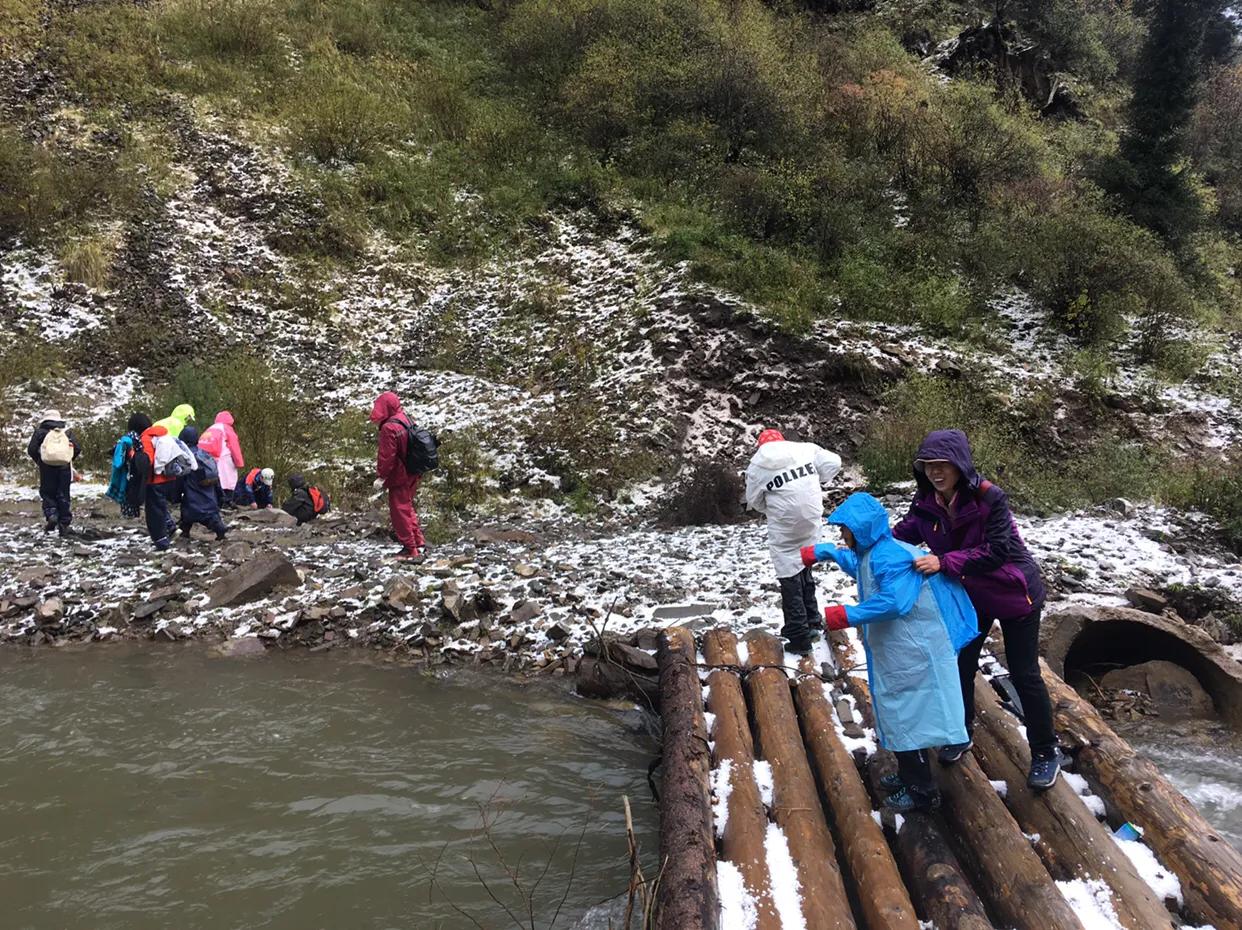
122	458
255	491
158	461
175	422
911	628
784	481
305	502
404	452
221	442
966	522
53	448
197	490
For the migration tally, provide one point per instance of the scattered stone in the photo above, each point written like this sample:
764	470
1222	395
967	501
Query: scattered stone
40	574
1147	600
631	657
254	579
50	612
524	612
401	591
245	646
487	535
1122	506
148	609
486	601
236	551
557	633
457	607
165	593
523	570
647	638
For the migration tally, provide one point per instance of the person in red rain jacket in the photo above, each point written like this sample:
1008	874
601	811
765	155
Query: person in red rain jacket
390	467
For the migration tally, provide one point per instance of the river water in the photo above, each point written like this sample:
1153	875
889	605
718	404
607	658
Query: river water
148	788
1203	759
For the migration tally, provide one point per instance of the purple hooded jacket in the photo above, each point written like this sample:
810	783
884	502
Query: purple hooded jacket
980	544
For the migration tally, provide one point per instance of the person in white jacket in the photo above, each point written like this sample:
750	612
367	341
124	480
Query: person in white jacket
784	481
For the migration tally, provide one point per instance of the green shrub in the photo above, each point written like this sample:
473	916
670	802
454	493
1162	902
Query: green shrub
343	111
106	52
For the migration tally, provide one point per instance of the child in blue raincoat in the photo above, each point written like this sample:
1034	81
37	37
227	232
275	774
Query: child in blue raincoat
122	455
912	628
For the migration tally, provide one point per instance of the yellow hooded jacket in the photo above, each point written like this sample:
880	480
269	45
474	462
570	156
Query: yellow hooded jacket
175	422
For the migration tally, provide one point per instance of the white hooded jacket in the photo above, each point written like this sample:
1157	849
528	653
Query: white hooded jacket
784	481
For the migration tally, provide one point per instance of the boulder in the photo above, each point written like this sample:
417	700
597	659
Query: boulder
458	607
631	658
1173	690
50	611
523	570
524	612
148	609
401	591
1147	600
245	646
558	633
236	551
254	579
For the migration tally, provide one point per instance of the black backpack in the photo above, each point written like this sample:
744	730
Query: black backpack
421	449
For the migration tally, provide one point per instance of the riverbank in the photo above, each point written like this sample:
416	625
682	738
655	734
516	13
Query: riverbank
528	593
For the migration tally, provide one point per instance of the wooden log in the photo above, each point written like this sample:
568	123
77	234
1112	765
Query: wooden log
1072	843
687	898
882	896
797	808
936	877
1009	875
1209	868
746	828
938	886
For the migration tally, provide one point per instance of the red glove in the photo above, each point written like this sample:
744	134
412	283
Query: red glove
808	556
834	617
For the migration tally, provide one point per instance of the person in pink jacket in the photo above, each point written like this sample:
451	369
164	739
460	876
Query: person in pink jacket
221	442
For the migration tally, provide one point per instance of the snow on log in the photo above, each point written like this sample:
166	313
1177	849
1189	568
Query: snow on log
746	824
1071	842
796	807
882	896
687	898
1209	868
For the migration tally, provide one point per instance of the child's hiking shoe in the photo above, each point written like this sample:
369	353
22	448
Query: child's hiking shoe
906	801
953	752
49	525
892	783
1045	769
800	647
161	545
414	556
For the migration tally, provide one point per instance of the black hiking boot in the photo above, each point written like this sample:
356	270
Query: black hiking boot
892	783
49	525
1045	769
953	752
906	801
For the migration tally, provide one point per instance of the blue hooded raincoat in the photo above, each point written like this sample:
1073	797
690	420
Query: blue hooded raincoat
912	628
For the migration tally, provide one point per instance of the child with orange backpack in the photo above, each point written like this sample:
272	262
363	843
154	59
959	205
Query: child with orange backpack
256	491
306	502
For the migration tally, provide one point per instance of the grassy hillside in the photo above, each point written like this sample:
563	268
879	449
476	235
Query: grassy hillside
803	155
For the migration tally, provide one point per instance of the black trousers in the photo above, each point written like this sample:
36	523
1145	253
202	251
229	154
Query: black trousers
212	521
54	481
799	607
914	769
160	524
1022	657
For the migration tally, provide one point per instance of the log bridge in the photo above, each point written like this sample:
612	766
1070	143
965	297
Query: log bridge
995	856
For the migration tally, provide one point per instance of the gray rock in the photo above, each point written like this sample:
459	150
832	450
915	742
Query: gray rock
460	609
246	646
557	633
401	591
50	611
254	579
236	551
524	612
1174	691
1148	600
39	575
148	609
1122	506
522	570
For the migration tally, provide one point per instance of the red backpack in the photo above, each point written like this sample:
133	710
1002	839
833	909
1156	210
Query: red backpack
319	500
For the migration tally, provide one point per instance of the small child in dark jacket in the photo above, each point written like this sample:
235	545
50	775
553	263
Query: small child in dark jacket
54	448
305	502
197	490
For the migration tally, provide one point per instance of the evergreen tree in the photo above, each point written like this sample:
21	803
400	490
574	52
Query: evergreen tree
1151	177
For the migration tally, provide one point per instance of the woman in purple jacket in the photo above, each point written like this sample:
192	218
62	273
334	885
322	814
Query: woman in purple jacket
966	522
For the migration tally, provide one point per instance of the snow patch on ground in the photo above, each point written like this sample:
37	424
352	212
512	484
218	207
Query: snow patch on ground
1161	881
722	787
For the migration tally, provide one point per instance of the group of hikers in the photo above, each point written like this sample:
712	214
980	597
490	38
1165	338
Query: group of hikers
922	615
158	465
